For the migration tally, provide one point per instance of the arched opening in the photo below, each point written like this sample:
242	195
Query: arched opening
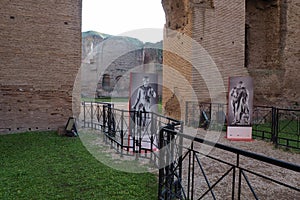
106	84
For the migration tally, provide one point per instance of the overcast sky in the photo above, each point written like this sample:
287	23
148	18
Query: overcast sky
143	19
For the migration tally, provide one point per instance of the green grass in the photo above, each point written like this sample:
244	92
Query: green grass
43	165
259	128
287	130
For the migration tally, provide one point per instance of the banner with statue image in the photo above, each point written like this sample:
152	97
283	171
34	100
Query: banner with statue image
240	108
143	101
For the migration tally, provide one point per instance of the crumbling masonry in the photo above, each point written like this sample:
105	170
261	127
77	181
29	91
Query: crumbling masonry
40	52
258	38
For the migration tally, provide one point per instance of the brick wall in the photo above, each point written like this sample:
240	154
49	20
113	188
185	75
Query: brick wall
291	53
176	66
40	52
273	51
216	44
263	52
259	38
218	26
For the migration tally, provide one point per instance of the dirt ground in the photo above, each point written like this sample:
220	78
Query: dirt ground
263	148
264	188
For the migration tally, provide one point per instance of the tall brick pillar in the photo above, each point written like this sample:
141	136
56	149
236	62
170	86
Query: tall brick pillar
40	53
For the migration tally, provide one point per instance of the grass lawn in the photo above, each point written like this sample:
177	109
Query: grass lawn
288	133
43	165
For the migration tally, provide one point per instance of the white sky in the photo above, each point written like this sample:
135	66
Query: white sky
117	17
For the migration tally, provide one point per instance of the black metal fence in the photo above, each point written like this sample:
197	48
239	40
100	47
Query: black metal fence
287	127
193	174
126	131
95	115
280	126
263	123
185	171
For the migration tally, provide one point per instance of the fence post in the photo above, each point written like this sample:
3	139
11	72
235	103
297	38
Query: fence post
170	165
180	159
109	119
274	126
92	115
133	127
277	126
98	112
151	133
169	188
104	118
161	163
83	114
122	132
140	129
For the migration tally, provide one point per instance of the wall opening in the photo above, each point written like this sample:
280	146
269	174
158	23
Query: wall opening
106	82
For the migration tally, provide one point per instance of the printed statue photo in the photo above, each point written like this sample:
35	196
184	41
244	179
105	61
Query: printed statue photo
143	102
144	99
144	95
240	101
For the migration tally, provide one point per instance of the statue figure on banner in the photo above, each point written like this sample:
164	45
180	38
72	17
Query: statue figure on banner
240	104
143	99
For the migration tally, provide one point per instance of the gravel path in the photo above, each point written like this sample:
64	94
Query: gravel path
262	187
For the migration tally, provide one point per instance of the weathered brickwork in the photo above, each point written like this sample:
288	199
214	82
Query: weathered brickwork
217	26
291	51
259	38
177	48
40	52
272	53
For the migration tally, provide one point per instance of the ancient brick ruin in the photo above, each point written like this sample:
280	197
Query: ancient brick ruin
259	38
108	61
40	52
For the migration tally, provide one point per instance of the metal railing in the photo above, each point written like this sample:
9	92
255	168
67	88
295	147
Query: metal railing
193	174
263	123
287	128
127	131
185	171
280	126
95	114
